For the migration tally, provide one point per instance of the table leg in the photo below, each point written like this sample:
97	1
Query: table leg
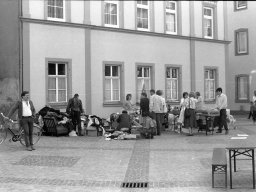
234	161
212	125
253	169
207	127
230	169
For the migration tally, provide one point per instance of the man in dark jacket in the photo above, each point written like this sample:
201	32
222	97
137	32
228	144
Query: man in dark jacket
144	105
75	109
26	112
124	121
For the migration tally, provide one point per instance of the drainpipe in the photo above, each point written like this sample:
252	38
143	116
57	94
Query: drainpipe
192	45
20	31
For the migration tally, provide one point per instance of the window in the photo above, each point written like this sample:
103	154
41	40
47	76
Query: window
208	22
56	10
57	82
171	17
143	15
172	83
111	13
210	84
242	88
112	82
241	42
240	5
143	80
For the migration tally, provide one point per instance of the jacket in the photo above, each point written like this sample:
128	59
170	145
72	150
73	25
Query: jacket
18	105
74	106
124	121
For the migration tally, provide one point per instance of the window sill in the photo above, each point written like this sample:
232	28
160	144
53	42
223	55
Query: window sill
210	101
113	104
241	54
242	101
62	105
55	19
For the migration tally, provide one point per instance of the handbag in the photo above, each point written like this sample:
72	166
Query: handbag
187	112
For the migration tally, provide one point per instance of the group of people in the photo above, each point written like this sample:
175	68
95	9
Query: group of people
194	102
154	107
27	113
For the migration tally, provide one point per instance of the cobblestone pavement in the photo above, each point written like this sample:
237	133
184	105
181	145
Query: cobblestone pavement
168	163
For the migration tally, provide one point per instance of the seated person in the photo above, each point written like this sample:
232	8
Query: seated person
125	122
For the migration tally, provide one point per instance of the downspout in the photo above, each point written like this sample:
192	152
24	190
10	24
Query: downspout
192	46
20	31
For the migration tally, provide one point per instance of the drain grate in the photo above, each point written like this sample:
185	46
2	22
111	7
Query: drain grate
135	184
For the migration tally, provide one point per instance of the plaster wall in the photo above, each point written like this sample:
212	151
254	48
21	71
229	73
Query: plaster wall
55	42
131	49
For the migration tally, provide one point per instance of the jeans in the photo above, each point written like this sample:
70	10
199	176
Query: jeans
159	123
223	120
76	120
27	125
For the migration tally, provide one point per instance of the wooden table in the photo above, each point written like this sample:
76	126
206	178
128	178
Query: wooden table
208	117
243	146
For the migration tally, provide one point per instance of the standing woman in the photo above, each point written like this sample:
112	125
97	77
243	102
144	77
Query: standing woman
128	106
183	103
190	122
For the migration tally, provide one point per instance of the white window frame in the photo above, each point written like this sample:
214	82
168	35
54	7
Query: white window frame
211	18
54	18
239	41
117	14
241	7
208	80
56	76
137	19
172	79
173	12
244	87
111	78
143	79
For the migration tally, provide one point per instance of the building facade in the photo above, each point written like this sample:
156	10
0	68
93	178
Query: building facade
103	50
241	76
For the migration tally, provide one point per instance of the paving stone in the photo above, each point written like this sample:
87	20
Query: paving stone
170	162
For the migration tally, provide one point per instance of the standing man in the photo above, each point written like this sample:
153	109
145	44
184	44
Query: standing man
157	107
26	112
151	104
75	109
221	103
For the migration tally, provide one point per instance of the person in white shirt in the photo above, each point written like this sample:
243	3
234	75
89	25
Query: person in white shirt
190	122
26	113
157	108
221	105
183	102
151	104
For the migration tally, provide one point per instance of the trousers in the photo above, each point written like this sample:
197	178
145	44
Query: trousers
76	120
27	125
223	120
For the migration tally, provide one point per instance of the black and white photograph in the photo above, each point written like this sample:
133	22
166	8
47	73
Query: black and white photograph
127	96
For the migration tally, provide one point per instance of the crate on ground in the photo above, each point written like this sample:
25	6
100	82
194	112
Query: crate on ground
93	131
